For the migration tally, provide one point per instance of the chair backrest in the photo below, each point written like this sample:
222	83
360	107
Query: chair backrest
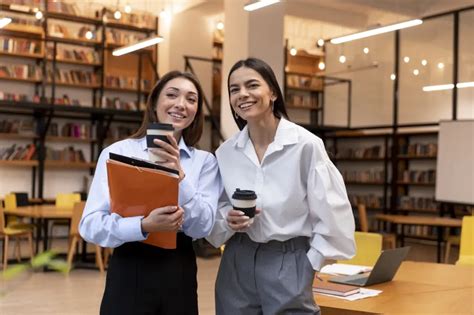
67	200
10	201
363	222
2	221
466	250
76	217
368	249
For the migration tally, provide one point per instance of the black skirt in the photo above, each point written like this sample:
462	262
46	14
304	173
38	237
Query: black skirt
144	279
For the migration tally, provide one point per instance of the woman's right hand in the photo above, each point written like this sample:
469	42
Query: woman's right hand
237	220
163	219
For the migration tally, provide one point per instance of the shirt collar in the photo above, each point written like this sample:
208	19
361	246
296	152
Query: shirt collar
286	134
182	146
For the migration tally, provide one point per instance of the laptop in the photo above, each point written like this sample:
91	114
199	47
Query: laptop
384	270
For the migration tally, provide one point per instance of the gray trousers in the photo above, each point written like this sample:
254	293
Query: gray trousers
265	278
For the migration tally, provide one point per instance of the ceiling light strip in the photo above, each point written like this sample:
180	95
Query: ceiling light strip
259	4
4	22
139	45
376	31
442	87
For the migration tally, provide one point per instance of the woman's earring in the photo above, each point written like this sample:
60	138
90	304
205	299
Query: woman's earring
273	103
236	116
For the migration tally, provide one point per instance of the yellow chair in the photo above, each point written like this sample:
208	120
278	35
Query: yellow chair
450	241
368	249
14	221
66	201
466	249
16	233
74	237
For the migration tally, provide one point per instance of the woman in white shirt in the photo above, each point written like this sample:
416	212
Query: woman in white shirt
143	279
269	263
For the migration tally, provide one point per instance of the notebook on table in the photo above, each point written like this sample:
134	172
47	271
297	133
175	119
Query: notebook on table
384	269
325	287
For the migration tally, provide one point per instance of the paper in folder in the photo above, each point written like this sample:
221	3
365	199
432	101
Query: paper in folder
137	187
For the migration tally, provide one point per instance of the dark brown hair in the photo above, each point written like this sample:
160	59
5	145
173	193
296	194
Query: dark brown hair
268	75
193	132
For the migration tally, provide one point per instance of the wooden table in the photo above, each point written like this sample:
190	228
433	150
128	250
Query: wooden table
439	222
418	288
41	214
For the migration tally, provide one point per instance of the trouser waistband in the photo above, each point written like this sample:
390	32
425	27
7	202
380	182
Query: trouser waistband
299	242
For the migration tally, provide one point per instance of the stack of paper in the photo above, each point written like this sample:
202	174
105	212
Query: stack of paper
344	269
362	294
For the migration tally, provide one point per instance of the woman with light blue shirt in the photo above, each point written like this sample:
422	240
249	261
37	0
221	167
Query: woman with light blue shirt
144	279
269	262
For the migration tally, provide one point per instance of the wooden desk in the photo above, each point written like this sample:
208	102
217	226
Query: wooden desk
439	222
41	214
417	288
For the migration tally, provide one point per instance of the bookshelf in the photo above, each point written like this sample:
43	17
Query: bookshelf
64	67
303	88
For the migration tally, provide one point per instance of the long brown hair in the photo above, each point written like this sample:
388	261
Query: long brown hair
193	132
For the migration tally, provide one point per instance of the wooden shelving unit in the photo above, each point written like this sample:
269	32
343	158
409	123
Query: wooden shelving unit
139	66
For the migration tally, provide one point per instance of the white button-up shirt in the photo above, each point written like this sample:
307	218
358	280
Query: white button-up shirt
198	196
299	191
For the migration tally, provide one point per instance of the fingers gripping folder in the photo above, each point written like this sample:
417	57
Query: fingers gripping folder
137	187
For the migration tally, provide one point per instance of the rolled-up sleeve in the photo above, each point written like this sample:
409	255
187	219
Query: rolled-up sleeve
100	226
333	228
200	202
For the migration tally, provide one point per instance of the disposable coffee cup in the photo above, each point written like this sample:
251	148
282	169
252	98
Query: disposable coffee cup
157	131
245	201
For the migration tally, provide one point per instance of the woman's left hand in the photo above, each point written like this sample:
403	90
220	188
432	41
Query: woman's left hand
169	152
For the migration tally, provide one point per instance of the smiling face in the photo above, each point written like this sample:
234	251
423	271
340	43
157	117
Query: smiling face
250	95
177	103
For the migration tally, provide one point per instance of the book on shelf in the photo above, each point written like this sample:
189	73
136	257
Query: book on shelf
331	288
119	37
20	71
63	7
18	152
415	176
73	77
419	149
17	97
117	103
141	19
19	46
68	154
371	201
126	82
78	55
363	176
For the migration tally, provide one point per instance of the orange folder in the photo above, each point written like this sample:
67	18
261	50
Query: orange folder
136	191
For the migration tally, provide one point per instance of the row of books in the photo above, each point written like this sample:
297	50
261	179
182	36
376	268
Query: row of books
20	46
363	176
82	55
17	97
120	132
63	7
407	202
18	71
68	154
419	149
414	176
65	100
73	77
376	151
74	130
301	100
417	230
300	81
17	126
118	37
124	82
139	20
18	152
61	31
370	201
117	103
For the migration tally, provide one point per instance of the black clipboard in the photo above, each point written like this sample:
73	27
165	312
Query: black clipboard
141	163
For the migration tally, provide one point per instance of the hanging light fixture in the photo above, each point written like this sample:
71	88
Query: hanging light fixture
5	21
320	42
393	77
321	65
139	45
440	65
220	25
127	8
342	59
117	13
255	5
424	62
293	51
366	50
39	15
375	31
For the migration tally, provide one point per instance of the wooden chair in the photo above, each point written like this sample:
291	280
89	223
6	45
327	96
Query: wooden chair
368	249
451	240
466	249
7	233
11	202
389	240
63	201
74	237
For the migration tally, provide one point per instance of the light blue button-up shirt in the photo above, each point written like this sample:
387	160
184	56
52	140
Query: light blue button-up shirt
199	192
